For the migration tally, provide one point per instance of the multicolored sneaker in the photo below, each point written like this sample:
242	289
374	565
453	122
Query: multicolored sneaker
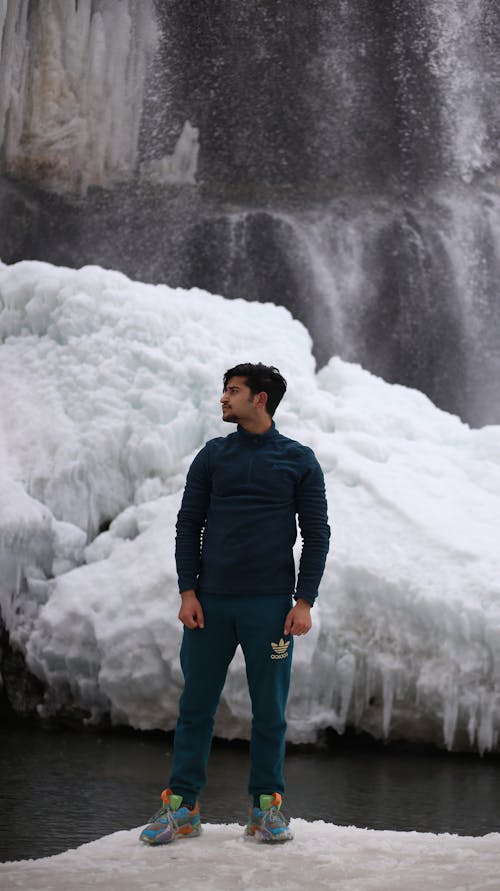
172	821
269	821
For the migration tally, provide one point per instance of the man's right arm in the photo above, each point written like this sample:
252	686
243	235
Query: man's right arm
191	521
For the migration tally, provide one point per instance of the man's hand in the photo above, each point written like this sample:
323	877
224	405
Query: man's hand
191	613
298	620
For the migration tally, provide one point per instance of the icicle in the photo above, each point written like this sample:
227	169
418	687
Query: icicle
388	697
450	715
345	671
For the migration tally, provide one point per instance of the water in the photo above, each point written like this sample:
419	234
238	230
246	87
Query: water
61	789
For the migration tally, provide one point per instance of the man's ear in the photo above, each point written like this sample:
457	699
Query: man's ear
262	399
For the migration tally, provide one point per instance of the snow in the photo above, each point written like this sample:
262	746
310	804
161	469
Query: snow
109	387
321	856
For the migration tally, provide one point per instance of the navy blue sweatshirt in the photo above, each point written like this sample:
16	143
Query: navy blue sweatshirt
237	523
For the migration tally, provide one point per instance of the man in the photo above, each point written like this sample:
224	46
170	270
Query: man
235	533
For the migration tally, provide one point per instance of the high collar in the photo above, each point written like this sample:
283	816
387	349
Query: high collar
258	438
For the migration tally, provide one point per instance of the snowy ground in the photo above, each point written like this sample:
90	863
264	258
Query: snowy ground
108	389
321	856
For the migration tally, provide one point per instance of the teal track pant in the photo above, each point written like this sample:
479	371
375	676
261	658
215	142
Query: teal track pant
256	623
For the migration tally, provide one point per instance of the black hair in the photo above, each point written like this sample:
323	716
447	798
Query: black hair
260	378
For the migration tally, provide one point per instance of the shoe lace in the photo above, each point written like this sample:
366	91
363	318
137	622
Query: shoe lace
167	813
275	816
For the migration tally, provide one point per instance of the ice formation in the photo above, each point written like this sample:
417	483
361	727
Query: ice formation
109	387
71	89
180	167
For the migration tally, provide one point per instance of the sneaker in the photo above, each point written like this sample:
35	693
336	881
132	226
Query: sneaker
269	821
172	821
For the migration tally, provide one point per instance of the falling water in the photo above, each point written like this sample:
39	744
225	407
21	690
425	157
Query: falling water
339	158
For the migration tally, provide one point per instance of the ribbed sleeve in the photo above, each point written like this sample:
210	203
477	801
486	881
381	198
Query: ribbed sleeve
191	520
312	517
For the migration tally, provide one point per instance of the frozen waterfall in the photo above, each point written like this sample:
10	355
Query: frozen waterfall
72	83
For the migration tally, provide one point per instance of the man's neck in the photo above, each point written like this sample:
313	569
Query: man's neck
259	425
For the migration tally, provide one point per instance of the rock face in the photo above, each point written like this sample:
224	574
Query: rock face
21	691
339	158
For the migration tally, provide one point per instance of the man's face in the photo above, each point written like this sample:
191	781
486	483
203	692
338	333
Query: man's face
237	401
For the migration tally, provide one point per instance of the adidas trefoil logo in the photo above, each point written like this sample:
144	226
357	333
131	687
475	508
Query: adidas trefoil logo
280	649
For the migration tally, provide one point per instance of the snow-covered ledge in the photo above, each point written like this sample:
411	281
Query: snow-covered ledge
322	856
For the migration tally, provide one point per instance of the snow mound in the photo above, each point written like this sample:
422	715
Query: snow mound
109	387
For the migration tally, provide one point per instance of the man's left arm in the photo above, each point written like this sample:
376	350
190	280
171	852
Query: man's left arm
312	513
